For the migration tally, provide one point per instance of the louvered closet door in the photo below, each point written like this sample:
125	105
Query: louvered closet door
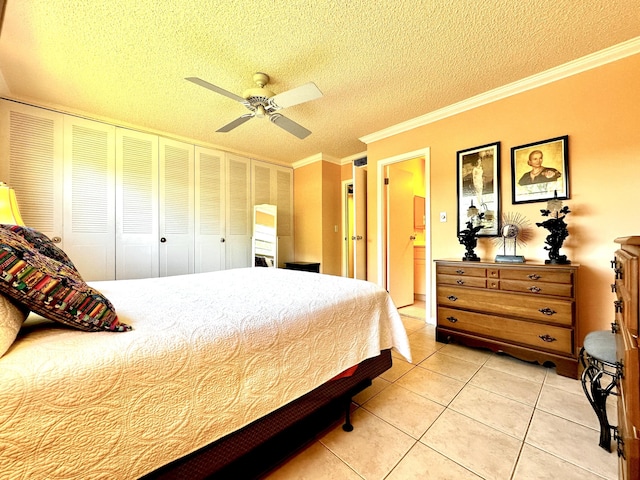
137	237
238	212
209	210
176	207
273	184
261	184
89	197
31	161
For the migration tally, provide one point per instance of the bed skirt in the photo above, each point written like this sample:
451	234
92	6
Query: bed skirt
260	446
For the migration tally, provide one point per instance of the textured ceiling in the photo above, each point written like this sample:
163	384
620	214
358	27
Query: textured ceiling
378	63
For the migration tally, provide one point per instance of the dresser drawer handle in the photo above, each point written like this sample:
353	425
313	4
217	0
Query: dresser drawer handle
460	282
460	272
618	272
453	298
618	305
535	289
533	276
546	338
619	443
614	288
614	327
547	311
452	319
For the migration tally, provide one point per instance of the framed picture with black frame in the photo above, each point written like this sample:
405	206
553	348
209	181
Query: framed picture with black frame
478	178
540	171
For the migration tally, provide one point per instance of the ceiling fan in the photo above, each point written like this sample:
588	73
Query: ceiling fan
262	102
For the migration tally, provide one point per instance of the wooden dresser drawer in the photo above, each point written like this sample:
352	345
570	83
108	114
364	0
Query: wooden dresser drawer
539	288
461	270
540	336
542	309
536	275
479	282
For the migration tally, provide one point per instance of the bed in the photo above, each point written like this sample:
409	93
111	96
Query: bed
218	368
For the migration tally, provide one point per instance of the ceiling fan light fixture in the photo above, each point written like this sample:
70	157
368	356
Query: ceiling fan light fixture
260	111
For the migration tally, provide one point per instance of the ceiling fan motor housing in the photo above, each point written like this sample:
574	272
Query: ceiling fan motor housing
258	98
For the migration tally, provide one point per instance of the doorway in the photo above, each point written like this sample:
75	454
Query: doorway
421	251
354	208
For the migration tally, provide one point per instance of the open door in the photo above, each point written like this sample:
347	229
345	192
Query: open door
400	236
359	236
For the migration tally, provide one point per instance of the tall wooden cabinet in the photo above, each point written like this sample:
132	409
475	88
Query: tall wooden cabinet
129	204
626	326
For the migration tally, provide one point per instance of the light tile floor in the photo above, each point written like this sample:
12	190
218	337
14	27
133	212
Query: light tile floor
461	413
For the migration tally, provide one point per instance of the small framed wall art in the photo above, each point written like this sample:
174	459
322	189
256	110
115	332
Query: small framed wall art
540	171
478	173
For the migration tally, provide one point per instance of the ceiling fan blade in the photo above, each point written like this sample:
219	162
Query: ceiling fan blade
221	91
303	93
290	126
236	123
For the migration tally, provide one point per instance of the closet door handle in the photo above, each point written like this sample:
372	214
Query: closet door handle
163	240
222	240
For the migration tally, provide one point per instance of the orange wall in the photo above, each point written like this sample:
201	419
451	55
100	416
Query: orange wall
317	211
600	112
307	213
331	218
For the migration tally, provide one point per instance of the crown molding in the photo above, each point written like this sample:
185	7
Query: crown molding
588	62
318	157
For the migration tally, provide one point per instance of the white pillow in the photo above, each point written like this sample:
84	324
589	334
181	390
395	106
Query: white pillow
11	319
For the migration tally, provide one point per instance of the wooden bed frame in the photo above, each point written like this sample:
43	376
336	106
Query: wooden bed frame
260	446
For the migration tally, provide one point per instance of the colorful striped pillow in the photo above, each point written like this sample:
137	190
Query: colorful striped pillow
52	288
41	243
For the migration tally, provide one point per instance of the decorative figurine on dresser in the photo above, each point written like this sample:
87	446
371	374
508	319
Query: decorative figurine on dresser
525	310
469	237
557	230
626	286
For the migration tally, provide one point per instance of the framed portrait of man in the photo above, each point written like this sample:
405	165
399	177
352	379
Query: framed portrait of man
540	171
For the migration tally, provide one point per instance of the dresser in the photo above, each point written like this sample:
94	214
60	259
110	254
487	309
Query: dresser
525	310
625	326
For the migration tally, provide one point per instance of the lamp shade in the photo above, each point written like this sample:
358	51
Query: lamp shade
9	211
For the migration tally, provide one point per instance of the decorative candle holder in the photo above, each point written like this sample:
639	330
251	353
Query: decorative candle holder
469	237
557	230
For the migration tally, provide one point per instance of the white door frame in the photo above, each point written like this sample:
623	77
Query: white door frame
345	230
426	154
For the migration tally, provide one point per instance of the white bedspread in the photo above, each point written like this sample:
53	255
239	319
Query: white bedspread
209	353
